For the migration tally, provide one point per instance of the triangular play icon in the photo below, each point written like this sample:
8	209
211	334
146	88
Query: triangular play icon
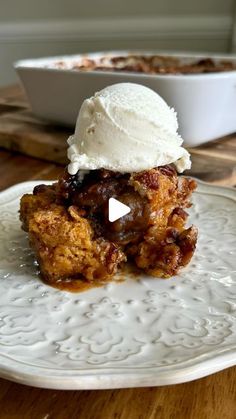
116	209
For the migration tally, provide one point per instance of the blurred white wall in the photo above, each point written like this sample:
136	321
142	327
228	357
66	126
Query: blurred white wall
45	9
30	28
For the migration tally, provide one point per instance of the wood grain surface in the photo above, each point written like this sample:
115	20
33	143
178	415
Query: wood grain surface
21	131
213	397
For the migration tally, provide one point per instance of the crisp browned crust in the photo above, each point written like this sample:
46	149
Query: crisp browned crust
72	238
149	64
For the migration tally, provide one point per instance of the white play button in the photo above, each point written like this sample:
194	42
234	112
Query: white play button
116	209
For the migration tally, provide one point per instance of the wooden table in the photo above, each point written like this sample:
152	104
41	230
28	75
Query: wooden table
213	397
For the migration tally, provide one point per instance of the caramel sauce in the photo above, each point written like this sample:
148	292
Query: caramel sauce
74	285
80	285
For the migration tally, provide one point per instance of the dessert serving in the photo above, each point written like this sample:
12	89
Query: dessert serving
125	147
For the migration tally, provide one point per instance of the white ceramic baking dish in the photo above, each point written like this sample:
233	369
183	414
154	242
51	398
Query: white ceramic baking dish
205	103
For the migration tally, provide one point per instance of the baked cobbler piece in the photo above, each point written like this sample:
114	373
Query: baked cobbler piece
126	146
72	238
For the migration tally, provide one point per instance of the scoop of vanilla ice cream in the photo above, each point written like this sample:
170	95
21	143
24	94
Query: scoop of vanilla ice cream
126	127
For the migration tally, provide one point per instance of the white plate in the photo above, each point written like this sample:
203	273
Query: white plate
143	332
205	103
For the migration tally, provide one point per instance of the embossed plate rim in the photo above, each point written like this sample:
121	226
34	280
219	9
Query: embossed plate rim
102	378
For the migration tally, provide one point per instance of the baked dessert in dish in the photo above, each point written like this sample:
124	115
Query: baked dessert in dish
125	147
149	64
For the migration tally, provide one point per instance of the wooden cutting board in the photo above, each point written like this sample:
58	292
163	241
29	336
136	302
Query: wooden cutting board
22	132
